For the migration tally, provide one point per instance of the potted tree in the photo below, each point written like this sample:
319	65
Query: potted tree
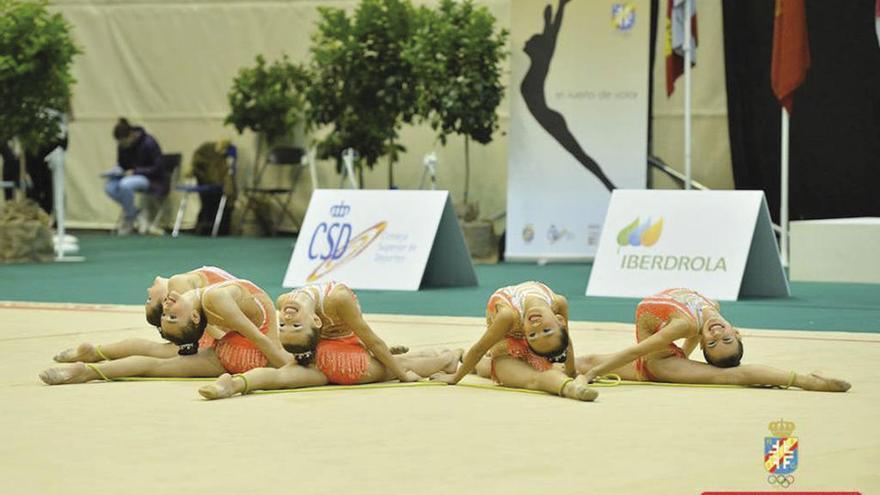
269	100
36	55
456	54
361	85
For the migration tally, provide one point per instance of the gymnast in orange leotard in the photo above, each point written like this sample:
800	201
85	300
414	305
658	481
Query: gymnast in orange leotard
323	327
198	278
239	307
684	314
526	332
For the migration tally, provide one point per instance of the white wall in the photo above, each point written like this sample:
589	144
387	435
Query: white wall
168	64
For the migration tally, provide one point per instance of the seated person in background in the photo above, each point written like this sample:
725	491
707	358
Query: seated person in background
38	170
138	168
211	167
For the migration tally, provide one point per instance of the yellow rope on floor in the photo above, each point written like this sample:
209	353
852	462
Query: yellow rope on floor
613	380
501	388
160	379
366	386
605	381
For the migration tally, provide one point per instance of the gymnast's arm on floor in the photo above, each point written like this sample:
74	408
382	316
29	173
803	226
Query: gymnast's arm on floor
690	344
559	306
350	313
676	329
222	304
497	330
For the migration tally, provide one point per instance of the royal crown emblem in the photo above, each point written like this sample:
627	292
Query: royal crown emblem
781	453
340	210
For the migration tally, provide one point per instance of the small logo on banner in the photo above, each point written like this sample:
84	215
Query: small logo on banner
640	234
623	16
555	234
340	210
781	454
646	234
333	243
528	233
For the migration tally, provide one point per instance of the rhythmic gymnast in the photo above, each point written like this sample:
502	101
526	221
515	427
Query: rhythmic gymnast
526	333
237	306
323	328
676	314
195	279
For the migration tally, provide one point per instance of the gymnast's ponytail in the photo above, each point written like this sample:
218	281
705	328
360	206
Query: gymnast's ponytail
305	354
188	340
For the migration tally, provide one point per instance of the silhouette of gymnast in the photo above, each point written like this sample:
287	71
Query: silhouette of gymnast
540	49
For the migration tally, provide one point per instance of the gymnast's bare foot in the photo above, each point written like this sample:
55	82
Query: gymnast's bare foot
579	389
819	383
83	353
454	359
223	388
75	373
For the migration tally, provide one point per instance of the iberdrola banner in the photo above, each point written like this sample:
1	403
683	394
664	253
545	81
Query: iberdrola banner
579	120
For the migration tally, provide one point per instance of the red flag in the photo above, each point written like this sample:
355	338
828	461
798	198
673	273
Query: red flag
674	45
791	50
877	19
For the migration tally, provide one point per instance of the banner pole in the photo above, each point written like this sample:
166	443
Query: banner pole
311	156
783	198
687	94
55	161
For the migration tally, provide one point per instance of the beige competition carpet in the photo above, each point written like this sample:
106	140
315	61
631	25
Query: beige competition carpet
161	437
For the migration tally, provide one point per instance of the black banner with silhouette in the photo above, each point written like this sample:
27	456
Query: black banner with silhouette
834	161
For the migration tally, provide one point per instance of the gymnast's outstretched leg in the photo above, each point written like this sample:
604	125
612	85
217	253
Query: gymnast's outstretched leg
515	373
203	364
287	377
677	370
93	353
423	365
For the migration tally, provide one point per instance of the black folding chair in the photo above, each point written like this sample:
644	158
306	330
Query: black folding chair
280	157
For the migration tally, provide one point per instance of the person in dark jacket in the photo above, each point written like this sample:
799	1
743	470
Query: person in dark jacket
138	168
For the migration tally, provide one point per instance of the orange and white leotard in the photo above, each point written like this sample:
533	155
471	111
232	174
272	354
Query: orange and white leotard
663	306
236	353
515	344
213	275
340	354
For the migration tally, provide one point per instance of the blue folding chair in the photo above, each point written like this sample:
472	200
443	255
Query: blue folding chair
187	189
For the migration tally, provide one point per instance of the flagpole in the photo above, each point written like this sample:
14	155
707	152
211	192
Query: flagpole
783	198
687	94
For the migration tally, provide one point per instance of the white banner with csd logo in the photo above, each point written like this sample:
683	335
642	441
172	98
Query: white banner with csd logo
396	240
579	120
719	243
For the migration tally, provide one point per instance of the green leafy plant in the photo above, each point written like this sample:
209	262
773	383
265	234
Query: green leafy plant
268	99
36	55
456	56
362	87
